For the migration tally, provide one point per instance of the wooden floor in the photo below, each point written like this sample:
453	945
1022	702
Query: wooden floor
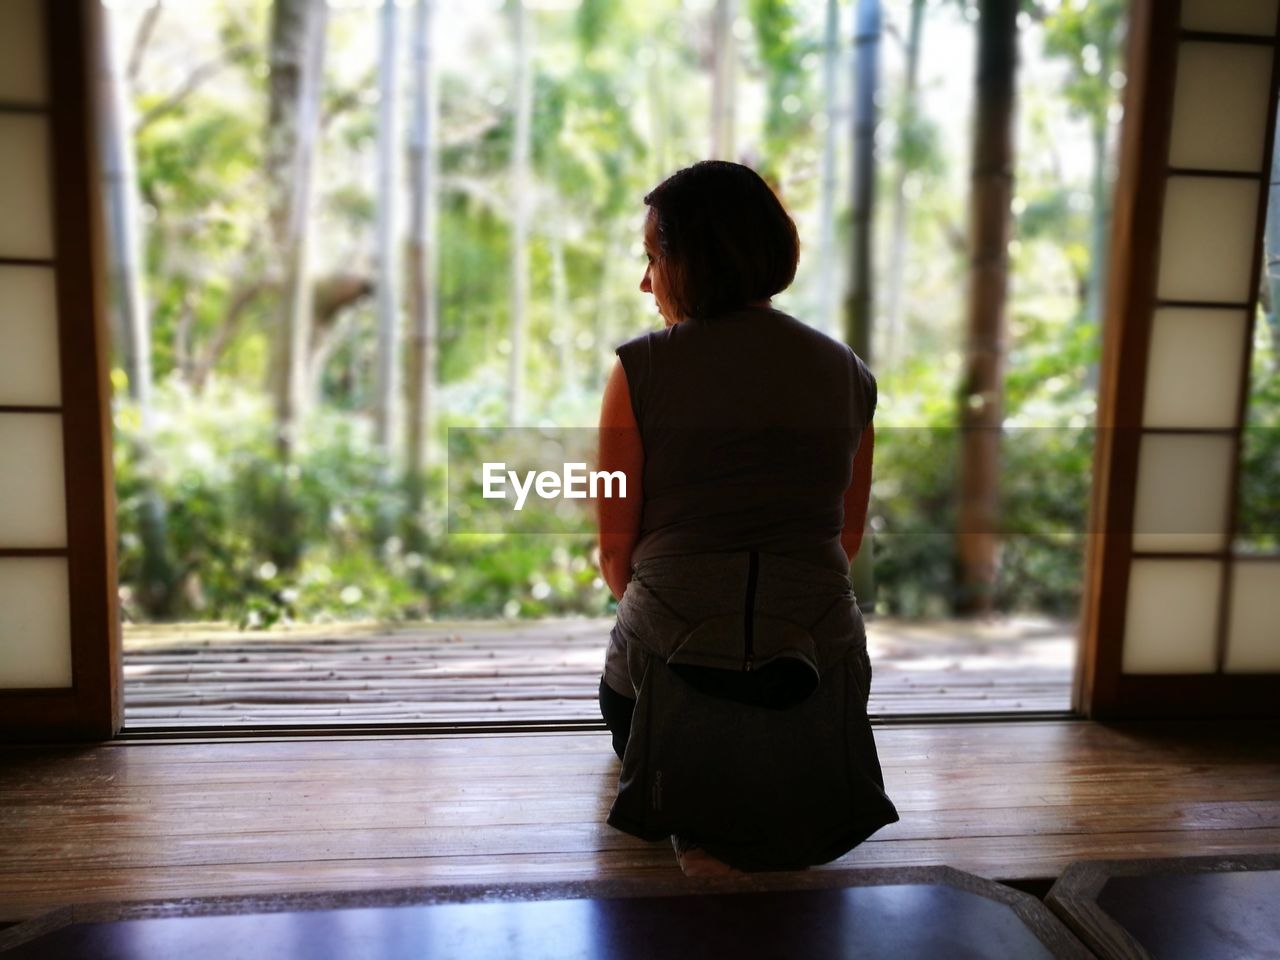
550	669
1004	800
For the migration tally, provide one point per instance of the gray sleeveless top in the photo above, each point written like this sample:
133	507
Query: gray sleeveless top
749	421
739	636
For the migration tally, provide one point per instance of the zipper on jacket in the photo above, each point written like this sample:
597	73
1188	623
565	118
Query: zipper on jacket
751	601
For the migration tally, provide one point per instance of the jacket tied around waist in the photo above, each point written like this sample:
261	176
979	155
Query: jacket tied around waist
750	731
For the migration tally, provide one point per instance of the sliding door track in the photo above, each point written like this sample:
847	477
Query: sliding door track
328	729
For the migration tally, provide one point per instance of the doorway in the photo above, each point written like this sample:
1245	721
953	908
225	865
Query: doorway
278	561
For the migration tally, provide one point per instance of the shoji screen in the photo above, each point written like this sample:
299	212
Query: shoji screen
1179	623
58	620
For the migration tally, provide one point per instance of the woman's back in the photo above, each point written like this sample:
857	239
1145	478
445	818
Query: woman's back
749	423
739	650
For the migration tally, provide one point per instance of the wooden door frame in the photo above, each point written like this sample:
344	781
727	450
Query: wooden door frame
92	708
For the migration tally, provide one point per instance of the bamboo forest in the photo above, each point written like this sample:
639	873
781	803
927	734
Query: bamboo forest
339	230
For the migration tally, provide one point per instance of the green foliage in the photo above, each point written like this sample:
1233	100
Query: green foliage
213	465
781	50
331	536
1088	36
918	147
592	22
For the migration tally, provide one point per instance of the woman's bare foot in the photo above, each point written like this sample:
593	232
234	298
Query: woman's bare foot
696	862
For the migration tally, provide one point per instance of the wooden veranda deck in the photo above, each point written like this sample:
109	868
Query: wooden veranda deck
470	671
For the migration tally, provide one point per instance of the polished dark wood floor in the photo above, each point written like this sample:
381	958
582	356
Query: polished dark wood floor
1014	801
494	670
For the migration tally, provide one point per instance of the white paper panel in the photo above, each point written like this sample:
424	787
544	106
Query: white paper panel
29	373
1230	16
1253	632
26	224
1171	616
22	78
1184	484
1220	106
1206	239
1193	368
35	623
33	506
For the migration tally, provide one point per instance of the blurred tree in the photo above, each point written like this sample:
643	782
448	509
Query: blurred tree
132	320
521	207
421	386
914	143
124	215
296	56
1088	36
297	44
386	245
723	68
859	314
828	296
860	305
980	394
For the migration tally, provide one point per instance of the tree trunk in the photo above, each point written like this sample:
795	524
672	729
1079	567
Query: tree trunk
723	104
981	390
133	326
1100	221
858	317
860	304
423	338
827	296
287	56
521	206
898	238
133	330
386	386
297	59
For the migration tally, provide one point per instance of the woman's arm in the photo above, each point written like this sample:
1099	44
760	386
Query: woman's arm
858	496
618	518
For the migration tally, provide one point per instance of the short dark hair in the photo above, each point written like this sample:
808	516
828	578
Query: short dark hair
725	238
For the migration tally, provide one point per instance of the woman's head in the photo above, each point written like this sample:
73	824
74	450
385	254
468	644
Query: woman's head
718	239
